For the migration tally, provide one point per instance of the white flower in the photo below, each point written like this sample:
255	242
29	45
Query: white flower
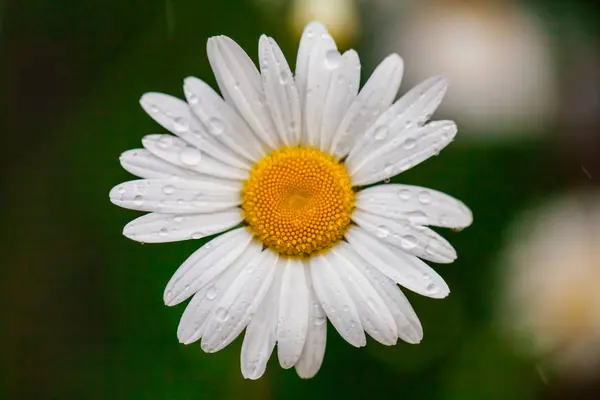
278	165
550	291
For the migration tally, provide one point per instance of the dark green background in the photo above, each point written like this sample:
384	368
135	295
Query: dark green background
82	311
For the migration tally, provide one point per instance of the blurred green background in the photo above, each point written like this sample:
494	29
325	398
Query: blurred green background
82	311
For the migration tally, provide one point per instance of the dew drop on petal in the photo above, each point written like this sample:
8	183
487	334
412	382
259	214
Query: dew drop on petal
164	231
424	197
333	59
165	141
178	219
417	217
138	200
216	126
404	194
222	314
190	156
181	125
212	293
408	242
380	133
320	321
169	189
409	143
382	232
196	235
121	190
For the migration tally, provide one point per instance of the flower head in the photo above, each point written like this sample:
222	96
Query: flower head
278	164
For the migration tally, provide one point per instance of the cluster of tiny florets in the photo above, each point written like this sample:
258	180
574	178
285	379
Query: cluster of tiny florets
298	201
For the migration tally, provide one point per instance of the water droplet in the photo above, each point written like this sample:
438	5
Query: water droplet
190	156
153	109
181	125
408	124
380	133
320	320
192	98
333	59
222	314
168	189
382	231
404	194
196	235
138	200
178	219
165	141
212	293
121	190
417	217
409	143
164	231
169	294
424	197
216	126
283	77
346	308
431	287
408	242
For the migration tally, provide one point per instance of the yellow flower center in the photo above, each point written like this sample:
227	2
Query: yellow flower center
298	201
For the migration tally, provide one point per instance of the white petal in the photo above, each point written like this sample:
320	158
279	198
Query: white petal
408	324
313	352
341	92
293	313
422	206
409	112
142	163
261	333
178	152
375	316
374	98
195	318
162	228
240	302
221	121
402	268
336	301
323	63
241	86
280	91
176	116
407	150
205	264
312	34
177	196
416	240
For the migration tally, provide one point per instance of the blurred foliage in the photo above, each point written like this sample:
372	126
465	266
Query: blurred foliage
83	312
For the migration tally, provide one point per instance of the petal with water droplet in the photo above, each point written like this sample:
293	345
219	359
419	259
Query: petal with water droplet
336	301
192	325
205	264
375	316
408	113
221	121
313	352
176	116
374	98
416	240
280	91
312	34
177	196
179	153
293	313
241	300
162	228
421	206
241	86
142	163
261	334
396	157
404	269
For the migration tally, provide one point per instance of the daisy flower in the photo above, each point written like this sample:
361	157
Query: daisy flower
278	166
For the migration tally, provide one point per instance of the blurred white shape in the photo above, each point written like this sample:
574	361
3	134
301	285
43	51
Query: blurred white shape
551	286
339	16
496	56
